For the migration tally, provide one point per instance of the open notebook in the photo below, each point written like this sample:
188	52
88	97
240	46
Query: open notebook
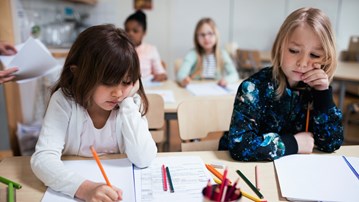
318	178
188	173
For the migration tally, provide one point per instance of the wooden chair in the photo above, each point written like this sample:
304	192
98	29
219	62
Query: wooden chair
198	118
248	62
156	118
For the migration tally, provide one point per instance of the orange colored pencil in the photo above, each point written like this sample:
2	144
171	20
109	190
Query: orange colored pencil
307	121
94	153
216	173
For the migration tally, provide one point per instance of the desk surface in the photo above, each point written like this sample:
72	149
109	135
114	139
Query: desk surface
181	94
347	71
18	169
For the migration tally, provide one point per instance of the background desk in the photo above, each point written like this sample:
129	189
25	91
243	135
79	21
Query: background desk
19	170
180	95
346	72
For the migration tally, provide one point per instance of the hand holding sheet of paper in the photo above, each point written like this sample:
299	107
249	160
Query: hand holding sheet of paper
33	60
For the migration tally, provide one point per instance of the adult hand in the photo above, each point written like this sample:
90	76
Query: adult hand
7	75
7	49
222	83
316	78
305	142
185	81
159	77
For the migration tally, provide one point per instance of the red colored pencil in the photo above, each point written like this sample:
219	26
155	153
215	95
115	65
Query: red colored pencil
164	178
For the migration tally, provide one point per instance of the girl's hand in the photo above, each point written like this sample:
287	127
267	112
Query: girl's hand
185	81
316	78
222	83
159	77
305	142
91	191
134	89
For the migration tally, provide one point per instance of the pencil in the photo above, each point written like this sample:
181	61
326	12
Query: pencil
351	167
307	119
253	198
216	173
256	172
7	182
172	189
249	184
217	181
10	193
164	178
94	153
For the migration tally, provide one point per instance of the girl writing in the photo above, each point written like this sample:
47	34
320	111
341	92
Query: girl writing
271	117
98	101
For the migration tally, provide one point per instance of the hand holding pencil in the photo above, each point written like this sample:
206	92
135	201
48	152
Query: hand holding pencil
93	191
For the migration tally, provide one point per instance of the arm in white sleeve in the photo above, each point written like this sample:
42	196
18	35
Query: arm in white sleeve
46	161
139	144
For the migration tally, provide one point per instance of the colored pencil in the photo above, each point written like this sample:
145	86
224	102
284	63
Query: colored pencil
209	190
7	182
217	181
10	193
164	178
216	173
172	189
94	153
249	184
307	119
253	198
231	190
256	172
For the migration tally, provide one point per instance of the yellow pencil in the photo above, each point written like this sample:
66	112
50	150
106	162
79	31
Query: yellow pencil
253	198
216	180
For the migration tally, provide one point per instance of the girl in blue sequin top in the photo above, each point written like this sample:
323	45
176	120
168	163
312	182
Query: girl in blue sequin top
270	109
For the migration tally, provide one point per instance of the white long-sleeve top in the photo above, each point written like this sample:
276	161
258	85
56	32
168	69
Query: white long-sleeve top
60	135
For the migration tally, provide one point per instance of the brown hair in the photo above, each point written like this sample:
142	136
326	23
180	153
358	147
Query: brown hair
320	24
101	54
200	50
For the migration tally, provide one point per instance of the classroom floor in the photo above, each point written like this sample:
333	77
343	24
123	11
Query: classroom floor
351	136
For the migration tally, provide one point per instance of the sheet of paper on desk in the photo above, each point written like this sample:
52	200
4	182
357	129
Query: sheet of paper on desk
32	58
207	89
317	178
167	95
189	177
118	171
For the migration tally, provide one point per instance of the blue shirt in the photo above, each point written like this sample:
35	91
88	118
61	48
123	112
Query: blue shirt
263	127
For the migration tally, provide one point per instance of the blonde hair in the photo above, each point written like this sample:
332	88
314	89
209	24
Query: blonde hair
320	24
200	51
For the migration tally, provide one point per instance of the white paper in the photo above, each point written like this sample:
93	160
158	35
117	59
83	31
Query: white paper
118	171
189	176
207	89
167	95
317	178
32	58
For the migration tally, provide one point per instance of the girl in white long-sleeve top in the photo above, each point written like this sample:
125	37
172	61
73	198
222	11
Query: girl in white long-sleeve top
98	101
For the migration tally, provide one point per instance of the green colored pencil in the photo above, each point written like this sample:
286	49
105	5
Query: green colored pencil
250	184
7	182
10	193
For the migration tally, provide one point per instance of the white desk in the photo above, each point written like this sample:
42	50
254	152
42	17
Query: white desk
18	169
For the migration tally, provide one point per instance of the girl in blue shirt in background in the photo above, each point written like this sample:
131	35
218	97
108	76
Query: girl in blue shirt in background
207	60
270	109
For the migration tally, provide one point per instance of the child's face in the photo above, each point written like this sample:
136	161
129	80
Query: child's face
135	31
206	38
302	51
107	97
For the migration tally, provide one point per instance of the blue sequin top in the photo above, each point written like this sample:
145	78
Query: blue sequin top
263	127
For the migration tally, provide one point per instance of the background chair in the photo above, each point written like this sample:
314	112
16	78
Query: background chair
156	118
248	62
198	118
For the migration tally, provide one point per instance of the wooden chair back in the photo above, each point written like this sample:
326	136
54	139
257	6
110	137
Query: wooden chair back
156	117
198	118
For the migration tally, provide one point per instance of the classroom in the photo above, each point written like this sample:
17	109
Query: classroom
195	117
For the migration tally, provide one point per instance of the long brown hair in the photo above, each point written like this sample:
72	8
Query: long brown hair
101	54
320	24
